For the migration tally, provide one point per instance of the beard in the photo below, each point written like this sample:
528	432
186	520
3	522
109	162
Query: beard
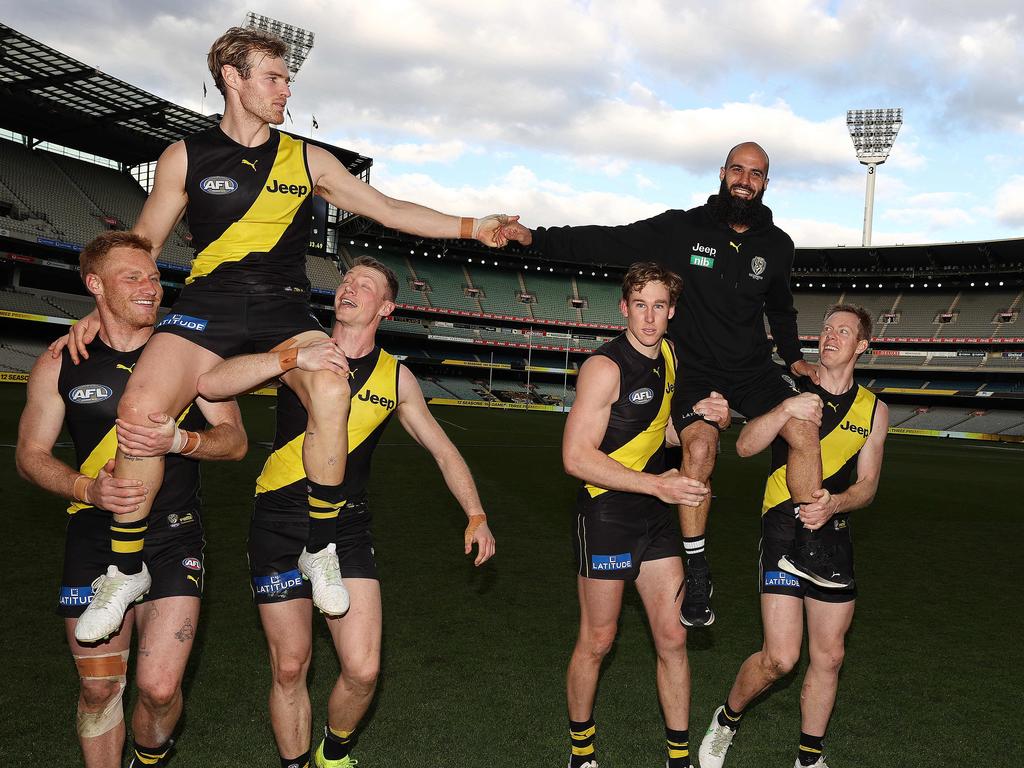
732	210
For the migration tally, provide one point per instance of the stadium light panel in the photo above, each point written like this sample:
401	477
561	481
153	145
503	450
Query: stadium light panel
873	132
300	41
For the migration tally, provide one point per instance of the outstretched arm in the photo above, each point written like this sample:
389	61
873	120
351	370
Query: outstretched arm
417	420
596	390
248	372
862	492
759	433
38	430
333	182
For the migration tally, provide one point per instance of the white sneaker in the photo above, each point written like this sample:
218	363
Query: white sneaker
819	763
588	764
716	743
113	594
324	574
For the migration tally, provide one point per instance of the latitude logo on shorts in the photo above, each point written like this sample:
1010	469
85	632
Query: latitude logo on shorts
641	396
88	394
780	579
218	185
184	321
621	562
276	583
76	595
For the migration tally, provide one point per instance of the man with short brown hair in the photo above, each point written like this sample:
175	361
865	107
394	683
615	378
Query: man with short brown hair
248	192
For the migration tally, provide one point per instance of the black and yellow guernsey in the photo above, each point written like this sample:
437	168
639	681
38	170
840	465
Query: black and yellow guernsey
249	212
635	436
281	486
845	425
91	391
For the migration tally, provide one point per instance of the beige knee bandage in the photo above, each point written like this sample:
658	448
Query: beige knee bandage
110	666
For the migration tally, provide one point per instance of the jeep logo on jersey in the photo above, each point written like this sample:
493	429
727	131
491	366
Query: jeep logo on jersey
757	264
218	185
384	402
641	396
287	189
87	394
850	427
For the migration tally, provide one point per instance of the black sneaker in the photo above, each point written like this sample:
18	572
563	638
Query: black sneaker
696	610
814	561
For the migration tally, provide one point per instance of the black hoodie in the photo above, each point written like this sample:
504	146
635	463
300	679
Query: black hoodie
731	281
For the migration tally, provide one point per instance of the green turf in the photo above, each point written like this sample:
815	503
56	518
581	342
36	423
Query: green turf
474	660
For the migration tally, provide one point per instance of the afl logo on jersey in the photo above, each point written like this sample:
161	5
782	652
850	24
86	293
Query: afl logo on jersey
641	396
87	394
218	185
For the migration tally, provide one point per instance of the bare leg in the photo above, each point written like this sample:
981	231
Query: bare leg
96	691
803	467
357	641
782	616
658	585
163	381
700	446
827	625
289	630
167	630
600	604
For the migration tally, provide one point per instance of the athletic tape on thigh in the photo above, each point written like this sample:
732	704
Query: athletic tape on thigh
109	666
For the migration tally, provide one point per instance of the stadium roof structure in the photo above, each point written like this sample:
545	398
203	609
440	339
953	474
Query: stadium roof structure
53	97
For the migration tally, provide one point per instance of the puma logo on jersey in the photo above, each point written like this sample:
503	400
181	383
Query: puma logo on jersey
192	578
251	164
657	371
287	189
735	245
123	367
833	406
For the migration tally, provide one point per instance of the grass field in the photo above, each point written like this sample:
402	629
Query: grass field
474	659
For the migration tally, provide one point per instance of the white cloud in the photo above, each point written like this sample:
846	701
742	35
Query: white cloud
1009	202
808	233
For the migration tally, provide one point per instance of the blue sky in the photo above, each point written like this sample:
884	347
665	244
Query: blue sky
607	112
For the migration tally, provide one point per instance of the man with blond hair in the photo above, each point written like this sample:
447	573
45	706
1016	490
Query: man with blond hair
382	387
247	190
852	425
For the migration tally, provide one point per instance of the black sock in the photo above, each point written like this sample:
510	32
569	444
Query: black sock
678	748
693	546
728	717
152	755
337	744
811	748
126	543
581	738
325	502
302	761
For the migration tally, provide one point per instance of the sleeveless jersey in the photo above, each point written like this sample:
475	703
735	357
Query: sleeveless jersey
635	436
91	391
845	425
281	486
249	211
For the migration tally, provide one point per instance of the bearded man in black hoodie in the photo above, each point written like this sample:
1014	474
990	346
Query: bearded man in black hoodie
735	264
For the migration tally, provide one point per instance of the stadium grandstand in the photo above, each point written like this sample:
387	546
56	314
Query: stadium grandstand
497	328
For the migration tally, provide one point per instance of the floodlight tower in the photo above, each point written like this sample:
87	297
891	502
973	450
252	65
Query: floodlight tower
873	132
300	41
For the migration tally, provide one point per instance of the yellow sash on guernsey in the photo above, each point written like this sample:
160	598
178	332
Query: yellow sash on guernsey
268	217
837	448
284	465
637	452
99	456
